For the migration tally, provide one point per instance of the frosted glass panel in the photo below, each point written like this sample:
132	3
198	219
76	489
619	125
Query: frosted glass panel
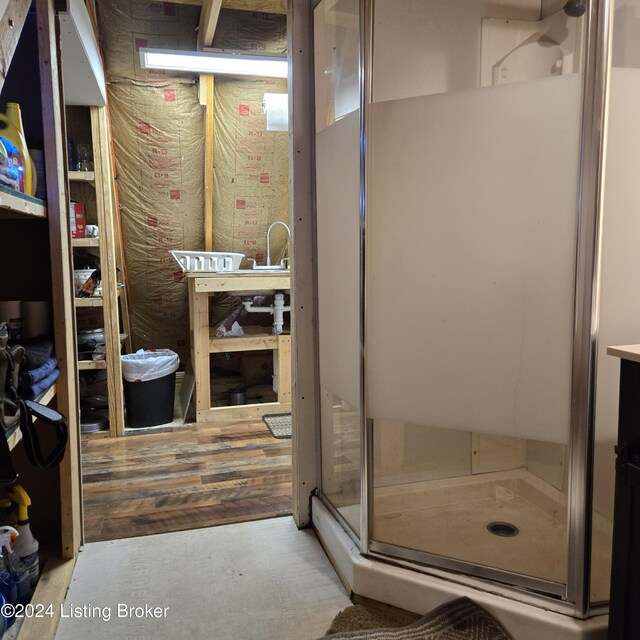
336	62
338	238
471	254
338	251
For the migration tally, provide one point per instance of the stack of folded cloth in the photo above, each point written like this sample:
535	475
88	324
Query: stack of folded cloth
39	368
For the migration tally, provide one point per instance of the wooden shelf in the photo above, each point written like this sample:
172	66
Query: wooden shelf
16	203
94	301
47	396
82	176
87	365
85	242
13	438
255	339
15	435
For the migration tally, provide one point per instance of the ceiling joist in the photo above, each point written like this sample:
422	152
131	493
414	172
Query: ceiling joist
262	6
208	22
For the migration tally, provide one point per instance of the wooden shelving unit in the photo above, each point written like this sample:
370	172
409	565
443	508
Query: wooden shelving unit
44	249
112	302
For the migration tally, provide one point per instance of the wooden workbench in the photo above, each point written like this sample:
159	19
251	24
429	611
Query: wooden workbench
204	341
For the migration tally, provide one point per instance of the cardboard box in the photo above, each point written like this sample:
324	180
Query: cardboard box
78	220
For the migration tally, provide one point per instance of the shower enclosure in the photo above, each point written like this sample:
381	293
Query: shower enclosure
478	231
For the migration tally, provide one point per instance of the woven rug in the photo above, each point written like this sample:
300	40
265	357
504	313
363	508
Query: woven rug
460	619
279	424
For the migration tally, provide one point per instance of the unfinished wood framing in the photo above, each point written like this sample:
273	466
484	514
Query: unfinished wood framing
262	6
207	84
11	25
51	590
105	206
208	22
61	273
204	342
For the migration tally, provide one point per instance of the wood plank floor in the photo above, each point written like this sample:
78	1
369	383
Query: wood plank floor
183	478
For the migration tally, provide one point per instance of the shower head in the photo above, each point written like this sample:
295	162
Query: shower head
575	8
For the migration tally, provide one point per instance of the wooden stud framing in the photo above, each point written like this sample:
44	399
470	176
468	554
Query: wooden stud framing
215	282
263	6
209	146
105	208
11	24
208	22
256	339
51	590
62	273
283	369
199	320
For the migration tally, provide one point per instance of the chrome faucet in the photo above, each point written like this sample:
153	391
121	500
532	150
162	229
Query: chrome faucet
273	224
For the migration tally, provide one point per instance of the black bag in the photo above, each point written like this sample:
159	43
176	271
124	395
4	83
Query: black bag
14	411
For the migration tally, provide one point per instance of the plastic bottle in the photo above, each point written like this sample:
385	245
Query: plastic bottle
12	136
26	546
13	564
8	587
3	621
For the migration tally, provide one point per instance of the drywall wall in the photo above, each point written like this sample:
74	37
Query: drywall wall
420	50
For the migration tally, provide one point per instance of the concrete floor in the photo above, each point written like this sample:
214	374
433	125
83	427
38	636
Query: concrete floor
264	580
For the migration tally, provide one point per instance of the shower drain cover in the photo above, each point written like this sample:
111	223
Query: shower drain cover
503	529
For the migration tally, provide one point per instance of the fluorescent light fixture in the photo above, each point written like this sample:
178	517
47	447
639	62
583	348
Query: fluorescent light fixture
232	64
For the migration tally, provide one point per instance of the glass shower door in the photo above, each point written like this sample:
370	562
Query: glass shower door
473	147
337	97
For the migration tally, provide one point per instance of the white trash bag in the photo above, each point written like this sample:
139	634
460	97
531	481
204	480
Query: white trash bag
143	366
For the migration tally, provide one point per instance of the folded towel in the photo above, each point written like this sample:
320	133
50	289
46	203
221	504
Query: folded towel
42	385
29	378
36	352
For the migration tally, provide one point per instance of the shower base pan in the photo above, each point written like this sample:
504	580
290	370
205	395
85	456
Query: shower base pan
450	518
453	518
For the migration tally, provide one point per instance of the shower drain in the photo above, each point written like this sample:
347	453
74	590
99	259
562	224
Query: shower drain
503	529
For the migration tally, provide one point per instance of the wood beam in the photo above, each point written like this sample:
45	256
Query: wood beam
263	6
208	22
64	324
11	24
209	144
106	210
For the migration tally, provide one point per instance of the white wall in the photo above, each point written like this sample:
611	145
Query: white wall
424	48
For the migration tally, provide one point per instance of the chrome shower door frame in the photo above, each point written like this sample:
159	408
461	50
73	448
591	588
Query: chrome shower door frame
571	598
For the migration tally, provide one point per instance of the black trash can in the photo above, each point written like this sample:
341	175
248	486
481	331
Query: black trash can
149	387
